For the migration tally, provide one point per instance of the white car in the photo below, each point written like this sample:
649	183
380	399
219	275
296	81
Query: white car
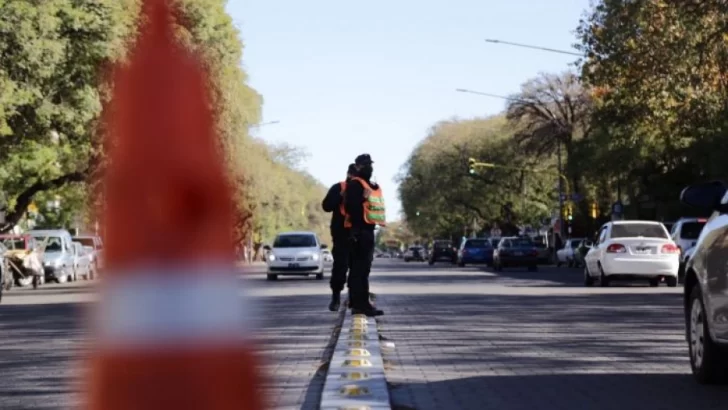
296	254
633	250
565	255
328	257
415	253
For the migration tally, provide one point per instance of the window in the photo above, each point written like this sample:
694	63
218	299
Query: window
477	244
602	235
691	230
522	243
637	230
443	245
295	241
54	244
85	241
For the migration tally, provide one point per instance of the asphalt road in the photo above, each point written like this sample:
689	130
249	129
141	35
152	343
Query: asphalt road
465	338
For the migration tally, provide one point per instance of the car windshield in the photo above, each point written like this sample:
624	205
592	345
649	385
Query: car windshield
295	241
522	243
637	230
477	243
54	244
85	241
14	243
691	230
443	245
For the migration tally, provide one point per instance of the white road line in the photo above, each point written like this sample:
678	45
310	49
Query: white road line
355	379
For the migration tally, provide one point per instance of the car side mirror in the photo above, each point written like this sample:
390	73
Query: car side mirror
266	247
705	196
323	246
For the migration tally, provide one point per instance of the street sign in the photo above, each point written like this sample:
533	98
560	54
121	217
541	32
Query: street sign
617	208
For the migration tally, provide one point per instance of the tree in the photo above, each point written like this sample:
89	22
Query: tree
49	74
440	198
550	114
657	73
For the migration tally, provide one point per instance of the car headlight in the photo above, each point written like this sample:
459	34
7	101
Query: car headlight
271	257
315	256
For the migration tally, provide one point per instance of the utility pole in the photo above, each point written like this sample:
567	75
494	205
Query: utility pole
561	190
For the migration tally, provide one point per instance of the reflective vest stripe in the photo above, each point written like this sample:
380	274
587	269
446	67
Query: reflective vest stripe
342	192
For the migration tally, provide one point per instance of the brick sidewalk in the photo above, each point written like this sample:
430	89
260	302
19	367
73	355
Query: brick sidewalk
598	351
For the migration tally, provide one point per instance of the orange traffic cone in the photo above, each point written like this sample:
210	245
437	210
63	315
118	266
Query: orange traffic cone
171	330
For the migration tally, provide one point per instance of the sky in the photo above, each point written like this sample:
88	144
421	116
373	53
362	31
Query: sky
347	78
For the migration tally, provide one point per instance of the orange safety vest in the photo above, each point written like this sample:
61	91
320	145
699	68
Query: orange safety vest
342	209
374	211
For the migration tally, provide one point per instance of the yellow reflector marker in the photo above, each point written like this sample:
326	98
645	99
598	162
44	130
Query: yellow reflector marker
358	352
357	363
357	344
353	390
359	327
355	376
358	336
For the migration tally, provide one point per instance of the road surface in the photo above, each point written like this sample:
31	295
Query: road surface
466	338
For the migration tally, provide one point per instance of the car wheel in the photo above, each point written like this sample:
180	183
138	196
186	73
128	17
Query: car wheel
707	359
603	279
654	282
431	262
588	280
569	263
533	268
672	281
320	276
558	263
461	264
271	277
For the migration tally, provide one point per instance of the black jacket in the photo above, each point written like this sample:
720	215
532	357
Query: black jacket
354	204
331	203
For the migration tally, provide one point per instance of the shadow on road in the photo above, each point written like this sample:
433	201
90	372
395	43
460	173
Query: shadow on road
587	351
585	391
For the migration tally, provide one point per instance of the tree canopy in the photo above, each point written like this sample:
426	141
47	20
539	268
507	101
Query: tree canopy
53	88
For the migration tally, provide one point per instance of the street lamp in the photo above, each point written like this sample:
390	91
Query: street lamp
550	50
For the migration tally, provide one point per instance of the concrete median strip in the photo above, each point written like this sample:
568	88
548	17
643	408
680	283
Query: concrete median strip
355	380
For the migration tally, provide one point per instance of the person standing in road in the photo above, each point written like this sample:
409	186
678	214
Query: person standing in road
364	207
334	203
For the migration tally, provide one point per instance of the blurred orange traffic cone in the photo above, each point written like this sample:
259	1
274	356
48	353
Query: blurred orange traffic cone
171	330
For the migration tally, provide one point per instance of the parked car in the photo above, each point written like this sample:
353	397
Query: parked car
58	254
96	245
706	281
295	253
567	254
415	253
23	260
326	254
443	250
475	251
685	233
633	250
581	252
82	264
516	252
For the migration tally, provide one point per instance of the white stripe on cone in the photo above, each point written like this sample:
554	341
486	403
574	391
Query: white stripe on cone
173	308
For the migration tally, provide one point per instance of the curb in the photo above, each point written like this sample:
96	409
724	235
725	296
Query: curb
355	380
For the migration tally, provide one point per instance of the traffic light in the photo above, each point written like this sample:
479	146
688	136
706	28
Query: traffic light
568	211
471	163
594	211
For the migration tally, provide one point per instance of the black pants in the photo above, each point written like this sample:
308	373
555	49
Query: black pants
341	253
362	254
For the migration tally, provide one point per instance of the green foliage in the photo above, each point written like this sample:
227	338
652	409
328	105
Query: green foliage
52	91
657	72
441	198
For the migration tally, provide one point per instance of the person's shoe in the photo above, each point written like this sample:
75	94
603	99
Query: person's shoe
371	312
335	302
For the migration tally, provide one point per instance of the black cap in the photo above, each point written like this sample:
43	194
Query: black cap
352	169
363	159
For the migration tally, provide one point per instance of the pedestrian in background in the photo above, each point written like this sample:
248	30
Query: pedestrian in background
334	203
364	208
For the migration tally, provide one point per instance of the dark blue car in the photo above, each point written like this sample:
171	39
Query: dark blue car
475	251
516	252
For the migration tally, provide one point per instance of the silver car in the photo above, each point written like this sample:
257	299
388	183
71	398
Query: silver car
705	292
